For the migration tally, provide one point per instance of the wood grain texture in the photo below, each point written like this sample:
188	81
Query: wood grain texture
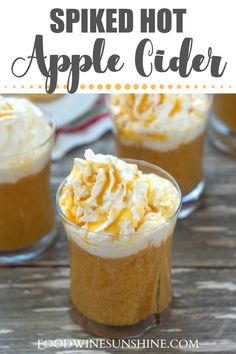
34	305
34	295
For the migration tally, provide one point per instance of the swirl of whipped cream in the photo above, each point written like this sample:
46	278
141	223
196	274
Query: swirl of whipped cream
159	121
23	128
106	194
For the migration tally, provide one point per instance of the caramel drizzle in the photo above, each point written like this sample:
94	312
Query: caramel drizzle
99	198
122	215
176	108
6	110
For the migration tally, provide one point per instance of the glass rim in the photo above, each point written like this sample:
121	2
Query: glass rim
51	136
158	227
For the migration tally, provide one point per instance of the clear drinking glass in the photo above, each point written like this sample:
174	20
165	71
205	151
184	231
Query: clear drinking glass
222	125
121	288
183	160
27	220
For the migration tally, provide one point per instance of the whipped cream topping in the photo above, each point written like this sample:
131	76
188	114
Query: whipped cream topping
159	121
23	129
106	195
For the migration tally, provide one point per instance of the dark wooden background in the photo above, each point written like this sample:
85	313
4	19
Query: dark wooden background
33	295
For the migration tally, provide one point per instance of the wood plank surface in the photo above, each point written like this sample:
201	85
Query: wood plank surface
34	305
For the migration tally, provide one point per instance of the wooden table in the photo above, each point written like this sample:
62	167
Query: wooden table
33	295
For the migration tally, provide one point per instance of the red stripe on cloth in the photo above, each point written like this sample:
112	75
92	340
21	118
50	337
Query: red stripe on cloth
100	100
79	127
